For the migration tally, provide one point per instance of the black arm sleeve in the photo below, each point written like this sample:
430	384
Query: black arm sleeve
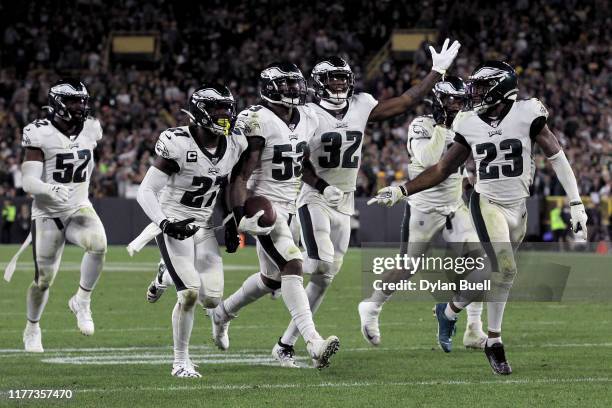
536	126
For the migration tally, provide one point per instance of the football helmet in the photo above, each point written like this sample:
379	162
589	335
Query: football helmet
212	107
333	80
449	97
69	101
282	83
491	83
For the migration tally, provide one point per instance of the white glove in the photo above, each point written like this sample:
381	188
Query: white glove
578	220
442	60
388	196
58	192
251	226
333	195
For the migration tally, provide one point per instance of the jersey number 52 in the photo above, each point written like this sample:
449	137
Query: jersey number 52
67	172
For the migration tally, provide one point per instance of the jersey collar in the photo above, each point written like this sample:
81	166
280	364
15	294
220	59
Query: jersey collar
495	122
219	151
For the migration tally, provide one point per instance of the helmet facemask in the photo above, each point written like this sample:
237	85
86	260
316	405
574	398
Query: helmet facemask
334	86
288	91
212	110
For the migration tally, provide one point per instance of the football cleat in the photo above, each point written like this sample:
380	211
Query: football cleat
284	354
322	350
497	358
446	328
368	314
32	339
186	370
220	324
474	337
157	288
82	312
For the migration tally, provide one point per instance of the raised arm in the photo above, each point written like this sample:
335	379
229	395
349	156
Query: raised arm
400	104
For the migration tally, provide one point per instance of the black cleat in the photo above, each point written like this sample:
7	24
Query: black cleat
497	358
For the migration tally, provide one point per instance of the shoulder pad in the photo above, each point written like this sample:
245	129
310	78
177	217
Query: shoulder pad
421	128
250	121
35	133
93	127
366	98
168	145
537	108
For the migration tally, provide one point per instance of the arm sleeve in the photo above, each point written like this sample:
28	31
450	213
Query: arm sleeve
565	175
428	151
154	181
32	178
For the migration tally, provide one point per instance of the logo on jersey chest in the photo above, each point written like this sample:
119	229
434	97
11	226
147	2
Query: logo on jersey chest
293	136
192	156
495	132
214	171
341	125
73	146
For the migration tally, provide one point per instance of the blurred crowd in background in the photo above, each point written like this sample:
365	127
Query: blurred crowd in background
560	50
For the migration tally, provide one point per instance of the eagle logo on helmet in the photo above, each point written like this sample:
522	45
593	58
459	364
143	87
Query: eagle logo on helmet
490	84
282	83
212	107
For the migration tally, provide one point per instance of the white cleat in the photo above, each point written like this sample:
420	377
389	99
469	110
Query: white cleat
322	350
284	354
220	327
368	314
474	337
32	339
82	312
186	370
157	288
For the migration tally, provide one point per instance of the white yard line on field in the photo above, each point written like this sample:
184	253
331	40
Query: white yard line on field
123	267
357	384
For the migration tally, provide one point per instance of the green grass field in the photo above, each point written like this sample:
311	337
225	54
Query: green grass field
561	353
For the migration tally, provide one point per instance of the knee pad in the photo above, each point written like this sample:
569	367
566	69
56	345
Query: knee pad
326	271
210	302
188	297
96	244
46	273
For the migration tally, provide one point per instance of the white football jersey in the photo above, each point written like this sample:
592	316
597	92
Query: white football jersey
335	149
502	151
446	196
67	161
279	175
193	190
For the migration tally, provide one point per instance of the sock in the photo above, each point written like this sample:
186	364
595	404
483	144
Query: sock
30	325
175	319
91	266
36	301
252	289
184	325
296	300
495	314
379	297
83	295
474	311
450	313
493	340
315	294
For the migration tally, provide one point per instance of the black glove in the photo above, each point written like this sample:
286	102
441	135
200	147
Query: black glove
179	229
439	115
232	238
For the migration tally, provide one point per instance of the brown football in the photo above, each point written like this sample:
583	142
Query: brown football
256	203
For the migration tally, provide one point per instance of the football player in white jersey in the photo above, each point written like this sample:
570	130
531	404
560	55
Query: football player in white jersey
278	132
178	194
499	131
335	153
438	209
57	168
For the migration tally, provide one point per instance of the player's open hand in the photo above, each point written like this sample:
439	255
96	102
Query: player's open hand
443	59
179	229
388	196
251	225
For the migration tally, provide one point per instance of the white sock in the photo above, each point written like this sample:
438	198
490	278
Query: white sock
83	295
184	325
474	311
30	325
36	301
296	301
495	315
315	294
252	289
493	340
91	267
379	297
175	319
450	313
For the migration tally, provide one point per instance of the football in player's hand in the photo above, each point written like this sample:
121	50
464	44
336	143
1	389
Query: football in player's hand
257	203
